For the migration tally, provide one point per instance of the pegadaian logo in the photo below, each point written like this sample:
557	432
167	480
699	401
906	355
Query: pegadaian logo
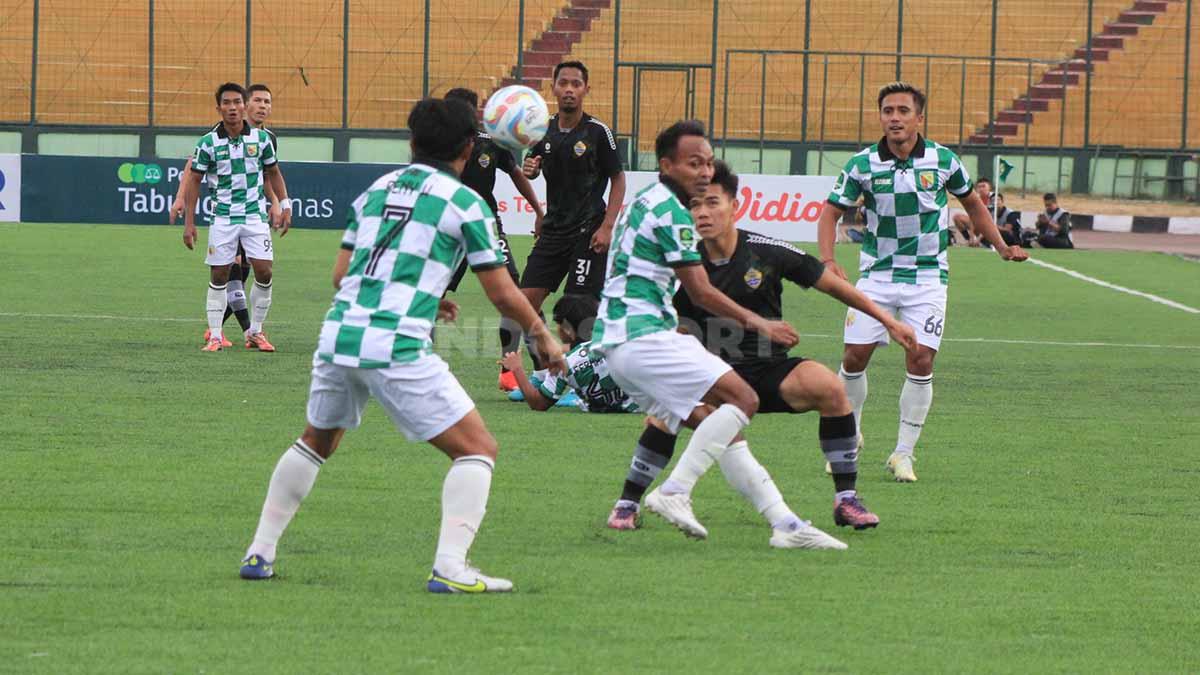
150	174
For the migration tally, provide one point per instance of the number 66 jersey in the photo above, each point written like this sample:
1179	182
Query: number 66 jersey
408	233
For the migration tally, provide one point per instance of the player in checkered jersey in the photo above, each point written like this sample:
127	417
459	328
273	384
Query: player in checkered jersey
904	180
405	237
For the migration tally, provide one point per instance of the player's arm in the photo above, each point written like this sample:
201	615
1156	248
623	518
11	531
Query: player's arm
512	303
340	265
525	188
274	181
835	286
981	218
533	395
616	197
695	281
827	235
177	205
191	192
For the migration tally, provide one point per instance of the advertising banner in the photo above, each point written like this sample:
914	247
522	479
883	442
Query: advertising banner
135	191
10	188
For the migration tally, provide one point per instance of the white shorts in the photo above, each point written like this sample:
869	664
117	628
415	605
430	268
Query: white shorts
922	306
666	373
223	240
423	398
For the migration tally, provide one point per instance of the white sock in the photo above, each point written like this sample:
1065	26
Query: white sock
916	396
747	476
856	391
708	442
464	501
261	302
293	478
215	309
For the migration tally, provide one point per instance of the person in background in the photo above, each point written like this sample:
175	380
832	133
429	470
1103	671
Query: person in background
1054	224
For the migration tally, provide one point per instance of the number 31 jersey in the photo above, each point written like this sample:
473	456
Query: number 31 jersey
408	233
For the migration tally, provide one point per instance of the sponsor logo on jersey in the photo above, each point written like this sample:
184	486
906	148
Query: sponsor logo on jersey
485	160
754	277
580	148
687	238
882	181
928	179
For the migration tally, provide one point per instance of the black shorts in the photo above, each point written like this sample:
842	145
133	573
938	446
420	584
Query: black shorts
556	256
508	261
765	377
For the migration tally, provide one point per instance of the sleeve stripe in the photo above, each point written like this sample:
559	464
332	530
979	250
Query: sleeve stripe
612	143
752	238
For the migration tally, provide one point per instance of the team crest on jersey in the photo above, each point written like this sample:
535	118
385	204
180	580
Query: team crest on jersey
252	149
928	179
754	277
485	160
849	318
687	238
580	148
211	250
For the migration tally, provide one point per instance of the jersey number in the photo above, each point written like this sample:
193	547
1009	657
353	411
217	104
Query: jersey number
933	325
583	268
398	217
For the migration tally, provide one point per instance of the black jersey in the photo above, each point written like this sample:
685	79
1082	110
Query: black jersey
753	278
577	165
479	174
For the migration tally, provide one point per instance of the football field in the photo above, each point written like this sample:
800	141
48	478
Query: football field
1054	526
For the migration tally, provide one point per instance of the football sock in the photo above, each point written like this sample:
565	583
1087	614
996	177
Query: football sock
215	309
708	442
916	396
747	476
510	339
839	442
464	501
293	478
856	391
237	302
653	454
533	355
262	303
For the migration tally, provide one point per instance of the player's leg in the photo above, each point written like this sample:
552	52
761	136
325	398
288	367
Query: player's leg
259	252
222	248
544	271
809	385
509	331
861	335
335	403
237	291
924	310
653	453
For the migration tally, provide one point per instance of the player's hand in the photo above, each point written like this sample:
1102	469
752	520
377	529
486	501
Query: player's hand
512	361
189	236
447	311
537	225
551	352
177	207
779	332
904	335
285	222
832	266
1015	254
602	239
274	215
532	168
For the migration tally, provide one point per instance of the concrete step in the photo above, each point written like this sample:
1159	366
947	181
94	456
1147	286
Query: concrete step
1014	117
1124	29
1107	42
1031	104
1135	17
1060	77
1156	6
1098	54
982	139
566	24
1046	91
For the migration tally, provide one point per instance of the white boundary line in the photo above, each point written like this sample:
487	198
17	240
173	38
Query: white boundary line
1105	284
490	326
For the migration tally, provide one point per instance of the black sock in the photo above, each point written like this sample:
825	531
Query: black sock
653	454
510	337
533	355
839	442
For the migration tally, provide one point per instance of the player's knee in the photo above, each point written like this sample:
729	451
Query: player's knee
747	400
835	402
854	361
486	446
220	275
262	275
322	441
921	363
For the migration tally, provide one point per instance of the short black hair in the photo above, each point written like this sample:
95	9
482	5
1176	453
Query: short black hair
577	311
571	64
668	139
902	88
1000	195
724	176
463	94
257	87
1049	197
231	86
441	128
985	179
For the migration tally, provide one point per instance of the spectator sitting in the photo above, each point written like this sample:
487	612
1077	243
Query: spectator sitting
1054	225
962	222
852	224
1008	222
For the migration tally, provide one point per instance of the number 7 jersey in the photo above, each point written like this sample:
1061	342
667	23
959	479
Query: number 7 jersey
408	233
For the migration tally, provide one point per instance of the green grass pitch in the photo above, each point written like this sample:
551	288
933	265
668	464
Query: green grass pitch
1053	528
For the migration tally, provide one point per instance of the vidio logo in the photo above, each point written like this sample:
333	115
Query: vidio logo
140	173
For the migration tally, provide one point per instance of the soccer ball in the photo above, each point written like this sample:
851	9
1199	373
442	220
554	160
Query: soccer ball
516	117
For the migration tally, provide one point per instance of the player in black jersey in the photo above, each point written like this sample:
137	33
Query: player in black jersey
579	158
751	268
479	174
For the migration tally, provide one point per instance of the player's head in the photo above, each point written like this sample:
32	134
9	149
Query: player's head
1050	200
685	156
231	102
714	210
442	130
258	105
901	111
467	96
999	200
570	85
575	315
984	187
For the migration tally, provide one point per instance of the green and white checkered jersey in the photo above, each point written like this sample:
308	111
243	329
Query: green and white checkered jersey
234	167
587	374
907	210
408	232
654	234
